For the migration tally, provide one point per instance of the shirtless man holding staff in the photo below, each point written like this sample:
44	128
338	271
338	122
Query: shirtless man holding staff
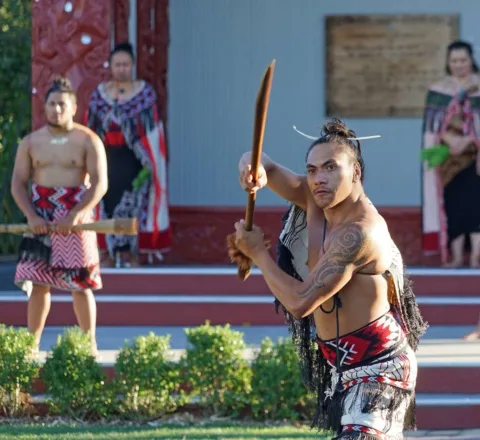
366	322
65	164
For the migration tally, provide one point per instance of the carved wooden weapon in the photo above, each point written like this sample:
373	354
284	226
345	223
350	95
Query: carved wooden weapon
261	109
124	226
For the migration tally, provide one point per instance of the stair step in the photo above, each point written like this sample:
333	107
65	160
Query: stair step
216	280
445	411
189	310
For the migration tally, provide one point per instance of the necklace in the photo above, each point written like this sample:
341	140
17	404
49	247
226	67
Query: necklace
126	89
58	140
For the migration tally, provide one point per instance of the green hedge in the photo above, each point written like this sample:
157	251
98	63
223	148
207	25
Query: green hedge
213	377
15	102
18	368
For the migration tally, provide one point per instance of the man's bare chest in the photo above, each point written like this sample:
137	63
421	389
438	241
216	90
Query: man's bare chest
316	230
69	155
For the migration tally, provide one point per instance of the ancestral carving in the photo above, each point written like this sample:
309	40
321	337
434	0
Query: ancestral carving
382	65
146	40
69	39
152	47
121	12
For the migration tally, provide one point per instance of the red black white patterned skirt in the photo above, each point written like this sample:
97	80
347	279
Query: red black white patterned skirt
378	378
64	262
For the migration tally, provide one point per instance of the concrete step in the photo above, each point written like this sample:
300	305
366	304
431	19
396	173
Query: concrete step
217	280
448	366
443	434
437	411
195	309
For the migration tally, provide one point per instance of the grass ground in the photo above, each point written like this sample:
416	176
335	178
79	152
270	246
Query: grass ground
170	432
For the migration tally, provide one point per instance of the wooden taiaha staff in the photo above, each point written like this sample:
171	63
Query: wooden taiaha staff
123	226
261	110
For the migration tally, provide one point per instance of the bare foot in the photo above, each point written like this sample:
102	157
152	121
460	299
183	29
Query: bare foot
34	355
95	351
474	263
155	258
472	336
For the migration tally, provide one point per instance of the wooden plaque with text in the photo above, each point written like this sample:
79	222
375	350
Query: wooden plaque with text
382	65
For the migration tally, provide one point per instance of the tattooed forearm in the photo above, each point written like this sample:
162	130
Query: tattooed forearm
347	248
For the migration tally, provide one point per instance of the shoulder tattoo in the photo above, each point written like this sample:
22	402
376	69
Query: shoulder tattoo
347	248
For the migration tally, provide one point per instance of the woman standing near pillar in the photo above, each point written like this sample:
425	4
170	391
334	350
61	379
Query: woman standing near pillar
451	218
125	113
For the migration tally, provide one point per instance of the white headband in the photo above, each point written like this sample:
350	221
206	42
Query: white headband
314	138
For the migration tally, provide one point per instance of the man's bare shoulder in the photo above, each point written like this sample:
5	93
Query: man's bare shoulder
79	128
27	142
87	134
363	237
36	135
373	224
377	242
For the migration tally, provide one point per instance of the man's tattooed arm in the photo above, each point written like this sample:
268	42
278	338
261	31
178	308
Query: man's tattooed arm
346	253
349	250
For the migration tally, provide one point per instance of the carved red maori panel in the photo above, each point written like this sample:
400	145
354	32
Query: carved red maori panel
146	40
152	47
69	38
121	13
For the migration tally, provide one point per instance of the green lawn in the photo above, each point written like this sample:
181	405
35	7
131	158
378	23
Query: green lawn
217	432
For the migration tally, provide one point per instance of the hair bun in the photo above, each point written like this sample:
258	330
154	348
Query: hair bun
123	47
60	81
336	127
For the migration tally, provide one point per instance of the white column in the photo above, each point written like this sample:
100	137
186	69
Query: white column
132	29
